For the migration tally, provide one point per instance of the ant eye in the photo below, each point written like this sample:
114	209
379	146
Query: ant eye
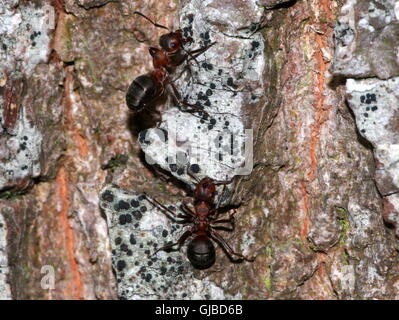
173	45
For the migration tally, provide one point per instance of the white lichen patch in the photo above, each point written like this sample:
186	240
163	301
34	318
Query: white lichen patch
375	104
25	39
370	24
248	242
223	80
360	223
344	279
21	154
136	231
5	293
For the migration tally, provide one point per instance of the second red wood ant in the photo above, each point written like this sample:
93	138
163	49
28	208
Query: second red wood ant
147	88
204	220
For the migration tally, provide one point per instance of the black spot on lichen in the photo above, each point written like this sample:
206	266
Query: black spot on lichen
122	219
107	196
137	215
143	209
195	168
374	108
370	97
164	233
123	205
209	92
180	171
118	241
230	82
254	45
134	203
121	264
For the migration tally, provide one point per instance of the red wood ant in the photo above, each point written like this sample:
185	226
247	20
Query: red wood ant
205	220
145	89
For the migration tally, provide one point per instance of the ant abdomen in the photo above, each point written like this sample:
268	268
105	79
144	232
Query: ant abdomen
141	92
201	252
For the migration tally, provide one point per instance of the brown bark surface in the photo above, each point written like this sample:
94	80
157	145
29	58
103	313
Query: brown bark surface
310	207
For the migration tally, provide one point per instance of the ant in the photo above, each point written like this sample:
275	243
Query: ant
204	220
145	89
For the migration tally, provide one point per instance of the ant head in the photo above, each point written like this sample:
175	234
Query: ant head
159	58
201	252
171	42
205	190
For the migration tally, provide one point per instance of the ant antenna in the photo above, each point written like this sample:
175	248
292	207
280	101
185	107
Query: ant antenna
148	19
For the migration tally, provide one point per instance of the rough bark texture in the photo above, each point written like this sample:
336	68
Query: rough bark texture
325	174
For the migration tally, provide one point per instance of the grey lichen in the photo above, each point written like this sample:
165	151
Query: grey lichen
5	293
136	231
366	36
20	153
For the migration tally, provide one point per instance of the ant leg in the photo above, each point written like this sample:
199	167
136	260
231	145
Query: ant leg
148	19
230	252
186	209
223	228
230	220
179	242
167	212
195	53
181	102
223	182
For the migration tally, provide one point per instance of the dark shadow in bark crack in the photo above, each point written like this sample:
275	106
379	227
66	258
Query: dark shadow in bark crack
284	5
146	118
336	82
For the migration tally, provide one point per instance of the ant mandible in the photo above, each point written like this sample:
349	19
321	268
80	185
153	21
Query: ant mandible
204	220
145	89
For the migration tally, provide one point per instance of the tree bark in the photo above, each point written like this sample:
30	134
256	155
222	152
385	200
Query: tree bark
324	178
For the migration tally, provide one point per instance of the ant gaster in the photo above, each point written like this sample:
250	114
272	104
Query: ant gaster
145	89
205	221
